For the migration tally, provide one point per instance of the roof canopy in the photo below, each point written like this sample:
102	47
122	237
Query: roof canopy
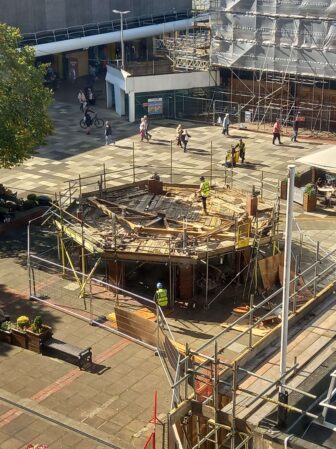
325	159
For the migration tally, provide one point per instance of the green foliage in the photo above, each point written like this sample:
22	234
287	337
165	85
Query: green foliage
310	190
28	204
6	326
24	100
37	325
31	197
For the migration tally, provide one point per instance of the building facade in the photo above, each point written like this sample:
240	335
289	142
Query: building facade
277	58
33	16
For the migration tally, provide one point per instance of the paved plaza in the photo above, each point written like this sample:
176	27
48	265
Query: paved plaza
45	400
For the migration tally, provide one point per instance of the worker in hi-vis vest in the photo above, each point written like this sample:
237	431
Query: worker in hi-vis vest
204	192
161	295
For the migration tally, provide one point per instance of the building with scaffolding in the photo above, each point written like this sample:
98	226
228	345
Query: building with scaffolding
276	60
281	54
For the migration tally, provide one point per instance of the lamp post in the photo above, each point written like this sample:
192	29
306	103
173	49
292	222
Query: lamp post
122	13
283	395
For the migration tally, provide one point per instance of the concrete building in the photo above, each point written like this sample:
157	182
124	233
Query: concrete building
33	16
80	37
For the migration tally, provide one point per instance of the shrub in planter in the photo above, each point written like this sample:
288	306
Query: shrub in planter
37	333
31	197
43	200
22	322
6	332
28	204
309	198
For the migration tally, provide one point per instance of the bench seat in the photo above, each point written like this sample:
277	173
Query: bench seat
80	355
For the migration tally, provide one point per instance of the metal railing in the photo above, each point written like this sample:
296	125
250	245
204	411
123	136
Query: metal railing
73	32
217	174
106	306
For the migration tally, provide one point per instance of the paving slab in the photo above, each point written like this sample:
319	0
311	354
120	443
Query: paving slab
119	401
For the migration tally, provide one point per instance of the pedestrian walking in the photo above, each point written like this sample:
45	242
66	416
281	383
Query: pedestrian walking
147	135
276	131
204	192
82	100
179	132
91	97
296	125
142	129
242	147
161	296
108	133
226	124
185	136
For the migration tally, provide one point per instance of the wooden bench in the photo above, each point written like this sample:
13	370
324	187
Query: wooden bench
59	347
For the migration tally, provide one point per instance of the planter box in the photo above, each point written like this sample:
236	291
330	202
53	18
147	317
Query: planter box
35	340
283	190
19	338
6	336
309	202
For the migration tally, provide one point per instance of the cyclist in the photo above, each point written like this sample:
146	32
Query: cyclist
88	119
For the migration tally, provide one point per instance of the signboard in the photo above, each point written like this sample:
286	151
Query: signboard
155	106
248	116
298	195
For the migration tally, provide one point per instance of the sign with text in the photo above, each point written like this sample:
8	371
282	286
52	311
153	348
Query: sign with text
248	116
155	106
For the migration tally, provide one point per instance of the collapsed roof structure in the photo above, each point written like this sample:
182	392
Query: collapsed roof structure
158	223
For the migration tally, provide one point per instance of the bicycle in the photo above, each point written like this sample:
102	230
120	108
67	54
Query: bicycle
96	121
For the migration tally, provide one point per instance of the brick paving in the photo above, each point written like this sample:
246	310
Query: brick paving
117	403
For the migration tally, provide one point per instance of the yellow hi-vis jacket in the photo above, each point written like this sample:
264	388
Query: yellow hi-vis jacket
161	297
205	188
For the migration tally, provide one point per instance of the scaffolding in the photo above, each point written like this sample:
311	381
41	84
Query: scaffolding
218	402
287	51
277	59
207	381
161	223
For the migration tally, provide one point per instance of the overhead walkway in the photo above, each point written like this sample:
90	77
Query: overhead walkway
91	29
82	37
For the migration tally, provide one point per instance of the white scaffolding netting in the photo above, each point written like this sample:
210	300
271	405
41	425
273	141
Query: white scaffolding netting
288	36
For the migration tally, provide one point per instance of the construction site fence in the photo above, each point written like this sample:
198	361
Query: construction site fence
100	303
304	286
218	175
210	105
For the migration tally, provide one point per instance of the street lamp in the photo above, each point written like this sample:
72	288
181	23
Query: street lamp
122	13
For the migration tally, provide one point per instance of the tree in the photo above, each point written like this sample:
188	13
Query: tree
24	101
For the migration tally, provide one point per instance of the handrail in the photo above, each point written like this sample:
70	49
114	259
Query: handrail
98	281
72	32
